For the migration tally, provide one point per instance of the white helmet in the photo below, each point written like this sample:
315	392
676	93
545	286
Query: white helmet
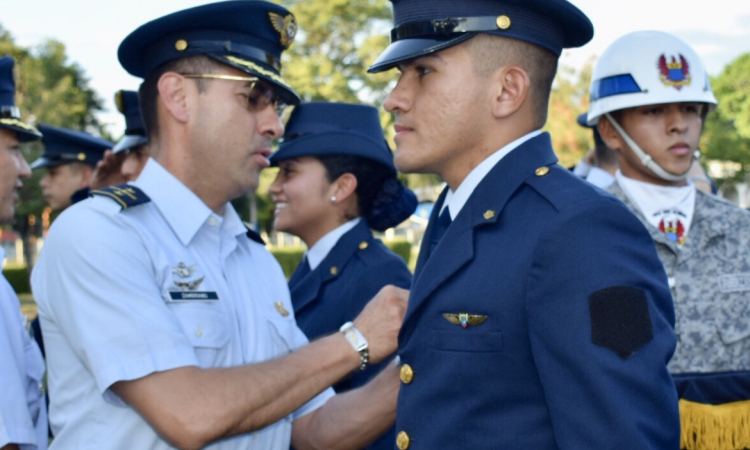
647	68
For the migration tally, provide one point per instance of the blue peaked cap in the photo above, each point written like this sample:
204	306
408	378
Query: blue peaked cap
135	131
10	115
422	27
246	35
63	146
321	128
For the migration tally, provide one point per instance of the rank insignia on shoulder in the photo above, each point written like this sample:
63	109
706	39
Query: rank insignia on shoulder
124	194
465	319
280	308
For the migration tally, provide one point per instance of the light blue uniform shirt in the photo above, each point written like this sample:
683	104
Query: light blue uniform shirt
108	283
23	413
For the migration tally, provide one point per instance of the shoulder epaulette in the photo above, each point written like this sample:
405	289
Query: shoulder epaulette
125	194
254	236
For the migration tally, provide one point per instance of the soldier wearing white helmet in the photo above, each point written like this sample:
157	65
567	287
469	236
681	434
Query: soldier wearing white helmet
650	95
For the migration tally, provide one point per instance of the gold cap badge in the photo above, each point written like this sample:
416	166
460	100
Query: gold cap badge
503	22
286	26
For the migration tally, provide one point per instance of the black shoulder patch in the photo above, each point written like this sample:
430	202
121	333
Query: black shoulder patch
254	236
620	320
124	194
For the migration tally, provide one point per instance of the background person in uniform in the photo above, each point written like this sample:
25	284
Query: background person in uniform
69	158
650	96
128	157
168	322
600	162
336	181
23	413
514	337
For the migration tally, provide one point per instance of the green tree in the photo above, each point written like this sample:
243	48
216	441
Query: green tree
52	91
727	132
570	98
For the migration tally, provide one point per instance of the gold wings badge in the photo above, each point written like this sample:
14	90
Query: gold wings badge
286	26
189	285
465	319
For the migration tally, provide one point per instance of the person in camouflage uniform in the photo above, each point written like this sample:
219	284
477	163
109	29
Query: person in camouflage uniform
649	98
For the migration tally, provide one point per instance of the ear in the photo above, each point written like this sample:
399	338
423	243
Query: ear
511	86
344	187
87	175
173	95
609	135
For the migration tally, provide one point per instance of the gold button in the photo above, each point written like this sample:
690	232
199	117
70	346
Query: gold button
402	440
180	45
406	373
363	245
199	332
81	156
334	270
542	171
489	214
503	22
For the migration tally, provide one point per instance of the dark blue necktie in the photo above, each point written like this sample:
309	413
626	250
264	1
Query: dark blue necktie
442	224
300	272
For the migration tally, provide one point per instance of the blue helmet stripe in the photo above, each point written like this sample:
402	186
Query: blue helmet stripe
614	85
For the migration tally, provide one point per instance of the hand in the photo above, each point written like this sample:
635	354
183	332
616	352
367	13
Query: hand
381	321
107	171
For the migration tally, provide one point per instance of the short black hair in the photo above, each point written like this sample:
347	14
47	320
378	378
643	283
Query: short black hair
148	93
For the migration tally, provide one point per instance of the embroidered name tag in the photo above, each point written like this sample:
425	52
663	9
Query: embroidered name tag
193	296
734	283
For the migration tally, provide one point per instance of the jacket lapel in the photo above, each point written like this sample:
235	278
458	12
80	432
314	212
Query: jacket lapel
482	210
307	290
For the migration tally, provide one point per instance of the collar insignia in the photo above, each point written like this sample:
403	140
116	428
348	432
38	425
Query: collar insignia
184	271
674	73
280	308
189	285
465	319
286	26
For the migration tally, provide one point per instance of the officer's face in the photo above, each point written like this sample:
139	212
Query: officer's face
668	133
442	109
61	182
231	140
302	197
13	169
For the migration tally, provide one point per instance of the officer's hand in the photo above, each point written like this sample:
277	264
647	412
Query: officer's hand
107	172
381	320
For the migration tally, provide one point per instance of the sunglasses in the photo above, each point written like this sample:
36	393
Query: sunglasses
261	94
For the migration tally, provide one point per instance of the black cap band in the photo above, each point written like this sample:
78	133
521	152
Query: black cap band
222	47
444	27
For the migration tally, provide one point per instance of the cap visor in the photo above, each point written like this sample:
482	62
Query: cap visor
129	142
406	49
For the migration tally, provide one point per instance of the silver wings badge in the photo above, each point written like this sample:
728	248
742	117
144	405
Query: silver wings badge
189	285
184	271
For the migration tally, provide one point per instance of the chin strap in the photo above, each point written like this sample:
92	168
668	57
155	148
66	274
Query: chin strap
645	158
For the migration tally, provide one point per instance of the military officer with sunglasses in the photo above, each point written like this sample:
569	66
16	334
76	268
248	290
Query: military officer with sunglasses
168	322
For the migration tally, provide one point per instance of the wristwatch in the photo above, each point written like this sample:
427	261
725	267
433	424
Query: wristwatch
357	341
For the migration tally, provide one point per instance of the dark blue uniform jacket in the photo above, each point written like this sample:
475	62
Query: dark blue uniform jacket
579	321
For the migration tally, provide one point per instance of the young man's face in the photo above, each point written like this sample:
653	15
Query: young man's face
61	182
13	169
669	133
442	110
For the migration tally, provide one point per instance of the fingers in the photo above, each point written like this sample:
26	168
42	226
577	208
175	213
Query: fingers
380	321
